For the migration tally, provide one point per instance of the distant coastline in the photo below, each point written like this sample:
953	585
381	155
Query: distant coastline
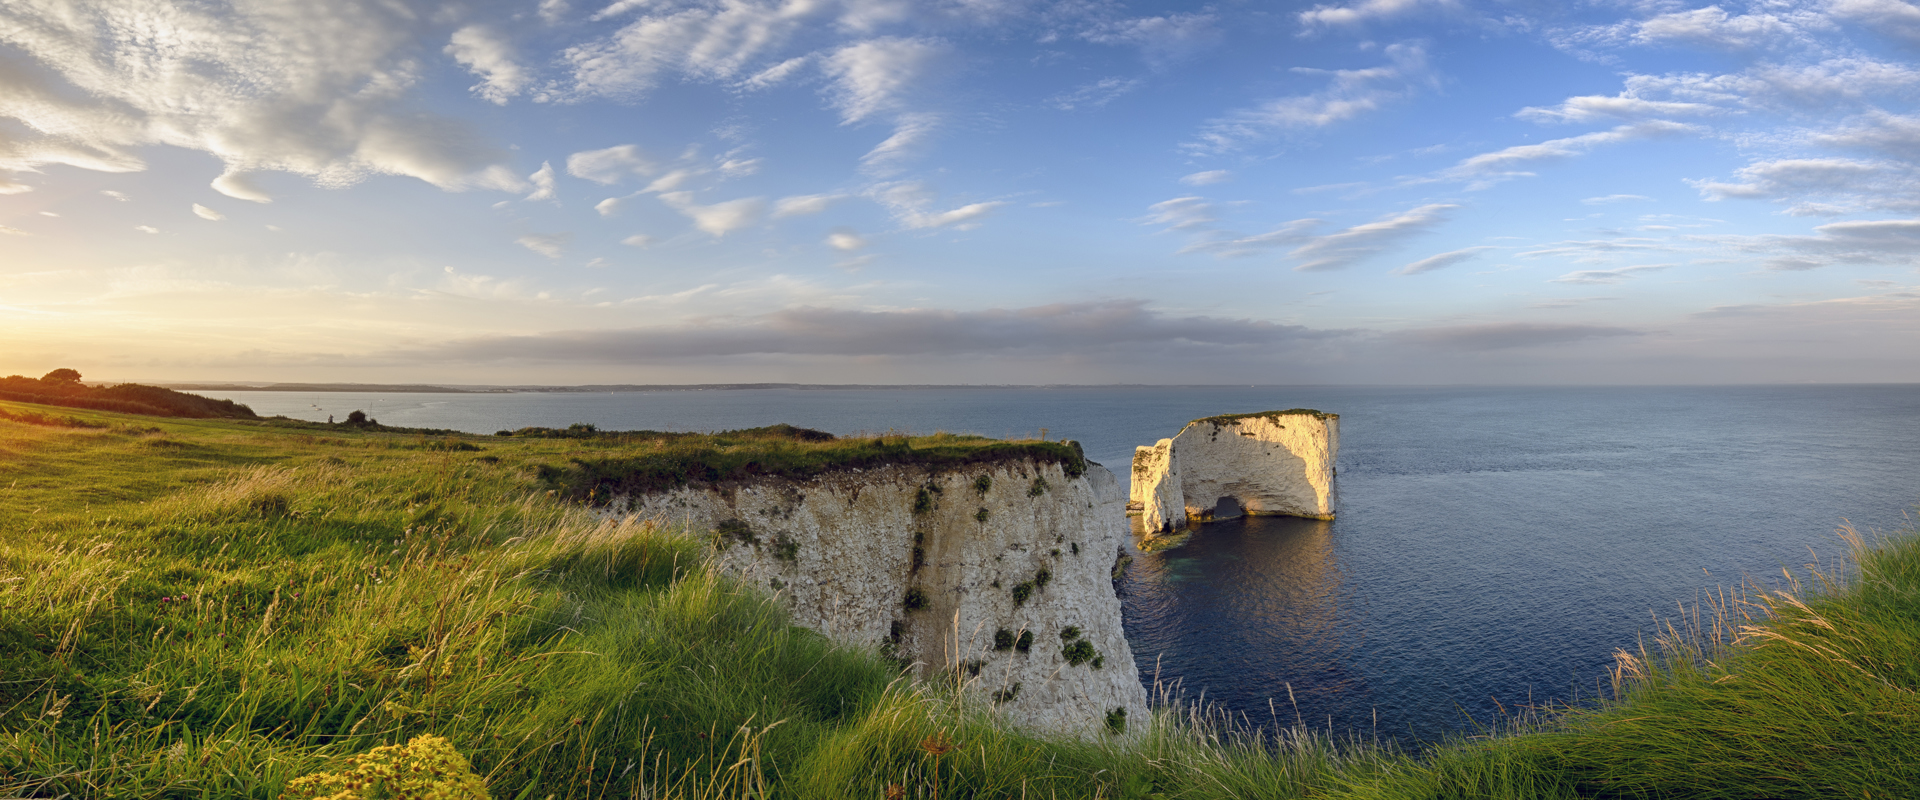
412	388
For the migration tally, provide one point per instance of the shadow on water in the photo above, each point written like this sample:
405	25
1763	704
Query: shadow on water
1251	610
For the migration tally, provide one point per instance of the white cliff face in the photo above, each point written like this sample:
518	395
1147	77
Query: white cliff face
1156	490
1268	464
931	564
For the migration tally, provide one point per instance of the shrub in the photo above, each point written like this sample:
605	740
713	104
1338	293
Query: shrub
981	515
1038	488
1025	644
1070	633
1080	652
1006	695
427	766
915	600
785	548
1021	593
1042	578
1117	720
922	501
982	484
1003	639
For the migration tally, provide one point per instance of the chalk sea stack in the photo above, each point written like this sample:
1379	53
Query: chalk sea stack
1270	463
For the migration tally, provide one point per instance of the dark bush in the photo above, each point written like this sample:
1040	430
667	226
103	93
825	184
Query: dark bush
1080	652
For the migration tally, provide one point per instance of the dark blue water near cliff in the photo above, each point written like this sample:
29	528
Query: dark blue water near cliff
1493	546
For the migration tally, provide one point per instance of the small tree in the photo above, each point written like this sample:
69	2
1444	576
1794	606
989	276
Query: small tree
61	375
359	419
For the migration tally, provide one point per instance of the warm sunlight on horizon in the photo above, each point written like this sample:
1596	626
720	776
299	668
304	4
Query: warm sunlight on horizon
966	191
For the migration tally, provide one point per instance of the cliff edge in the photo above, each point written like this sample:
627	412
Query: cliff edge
999	571
1269	463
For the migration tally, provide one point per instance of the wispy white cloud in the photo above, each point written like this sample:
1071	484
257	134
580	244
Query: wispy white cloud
488	54
1616	198
673	180
714	42
1487	169
1895	241
774	75
845	240
1594	249
1162	39
1095	94
544	187
550	245
1181	214
913	205
1360	242
610	165
206	213
718	219
1207	178
1349	94
1368	11
1610	276
334	102
911	134
803	205
1314	252
1443	260
1590	108
239	186
874	76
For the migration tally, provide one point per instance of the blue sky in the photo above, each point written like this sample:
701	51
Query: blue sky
974	191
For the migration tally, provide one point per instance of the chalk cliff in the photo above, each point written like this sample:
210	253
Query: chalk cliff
1275	462
1000	572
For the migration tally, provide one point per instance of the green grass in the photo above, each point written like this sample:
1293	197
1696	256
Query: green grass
1223	419
650	461
210	609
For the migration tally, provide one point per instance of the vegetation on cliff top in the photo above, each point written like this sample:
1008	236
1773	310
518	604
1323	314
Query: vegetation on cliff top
1223	419
62	387
201	608
650	461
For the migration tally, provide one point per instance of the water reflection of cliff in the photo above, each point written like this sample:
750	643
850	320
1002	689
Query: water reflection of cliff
1245	608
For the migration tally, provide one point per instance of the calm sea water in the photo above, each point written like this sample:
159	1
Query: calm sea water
1494	546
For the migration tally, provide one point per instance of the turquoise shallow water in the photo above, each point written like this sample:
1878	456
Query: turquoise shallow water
1493	547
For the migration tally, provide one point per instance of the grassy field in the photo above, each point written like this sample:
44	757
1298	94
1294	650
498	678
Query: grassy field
213	609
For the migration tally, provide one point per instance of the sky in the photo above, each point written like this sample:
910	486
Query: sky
961	191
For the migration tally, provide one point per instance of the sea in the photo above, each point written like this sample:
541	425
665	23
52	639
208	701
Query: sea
1493	548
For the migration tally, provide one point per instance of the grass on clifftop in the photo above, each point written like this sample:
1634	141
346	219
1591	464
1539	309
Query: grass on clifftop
1223	419
649	461
208	609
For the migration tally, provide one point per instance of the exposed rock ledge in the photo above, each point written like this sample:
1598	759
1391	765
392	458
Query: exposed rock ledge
1273	462
933	564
